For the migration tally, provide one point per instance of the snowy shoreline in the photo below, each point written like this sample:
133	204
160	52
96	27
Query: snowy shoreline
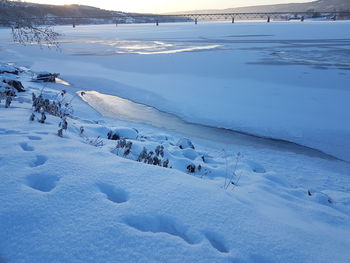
113	107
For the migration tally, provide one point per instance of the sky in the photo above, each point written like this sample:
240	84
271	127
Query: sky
163	6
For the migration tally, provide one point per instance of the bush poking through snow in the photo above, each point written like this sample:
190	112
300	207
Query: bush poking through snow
153	158
32	117
58	107
97	142
191	168
81	131
127	148
143	155
43	116
8	101
123	145
166	163
232	179
159	151
7	93
63	125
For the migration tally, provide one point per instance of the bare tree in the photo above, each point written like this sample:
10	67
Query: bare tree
27	30
28	33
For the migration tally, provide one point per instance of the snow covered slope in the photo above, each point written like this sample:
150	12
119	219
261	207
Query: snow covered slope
65	200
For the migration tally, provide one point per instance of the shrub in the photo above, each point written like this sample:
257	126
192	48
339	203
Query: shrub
7	93
232	178
58	107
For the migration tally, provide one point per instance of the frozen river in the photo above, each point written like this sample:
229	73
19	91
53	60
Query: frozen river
282	80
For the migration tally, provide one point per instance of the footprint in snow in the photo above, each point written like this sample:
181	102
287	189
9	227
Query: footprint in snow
278	180
40	160
114	194
216	241
42	133
42	182
256	168
162	224
25	147
34	138
7	132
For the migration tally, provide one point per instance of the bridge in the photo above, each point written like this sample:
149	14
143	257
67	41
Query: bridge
265	15
124	18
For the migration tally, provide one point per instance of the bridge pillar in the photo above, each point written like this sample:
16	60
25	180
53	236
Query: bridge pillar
233	20
268	19
195	21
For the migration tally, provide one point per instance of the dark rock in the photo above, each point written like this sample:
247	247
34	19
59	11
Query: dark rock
113	136
15	72
47	77
8	69
15	84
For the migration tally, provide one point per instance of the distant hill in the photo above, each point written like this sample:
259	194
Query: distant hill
320	5
41	10
85	14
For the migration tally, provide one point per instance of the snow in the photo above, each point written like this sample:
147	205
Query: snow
64	200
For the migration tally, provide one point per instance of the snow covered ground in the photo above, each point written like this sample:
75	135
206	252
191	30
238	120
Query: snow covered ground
280	80
65	200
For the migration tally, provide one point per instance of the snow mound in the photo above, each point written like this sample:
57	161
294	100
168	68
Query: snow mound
122	132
